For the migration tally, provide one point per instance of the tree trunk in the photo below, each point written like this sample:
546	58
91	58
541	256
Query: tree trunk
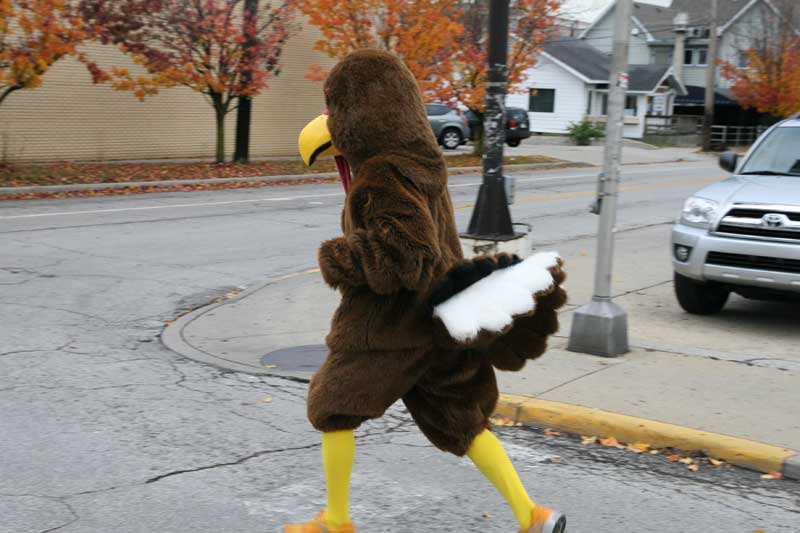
220	112
243	112
241	153
4	94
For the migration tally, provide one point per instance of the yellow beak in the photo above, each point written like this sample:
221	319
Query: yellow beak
315	140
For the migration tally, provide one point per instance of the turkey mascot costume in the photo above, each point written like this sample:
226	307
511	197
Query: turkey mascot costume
417	322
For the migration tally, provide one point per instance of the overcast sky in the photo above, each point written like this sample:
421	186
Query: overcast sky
589	9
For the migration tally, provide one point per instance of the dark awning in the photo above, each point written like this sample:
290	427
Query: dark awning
697	96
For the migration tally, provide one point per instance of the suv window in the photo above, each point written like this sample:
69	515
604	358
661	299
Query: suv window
437	109
779	153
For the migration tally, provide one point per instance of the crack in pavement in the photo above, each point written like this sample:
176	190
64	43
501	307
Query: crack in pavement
231	463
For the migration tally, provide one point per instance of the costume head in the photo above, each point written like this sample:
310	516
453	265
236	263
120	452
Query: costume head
374	108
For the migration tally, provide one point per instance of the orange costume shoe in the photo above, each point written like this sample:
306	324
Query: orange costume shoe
546	520
319	525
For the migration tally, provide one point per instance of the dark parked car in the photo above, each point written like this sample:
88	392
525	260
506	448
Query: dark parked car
517	126
450	127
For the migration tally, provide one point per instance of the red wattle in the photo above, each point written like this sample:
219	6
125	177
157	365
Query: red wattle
344	171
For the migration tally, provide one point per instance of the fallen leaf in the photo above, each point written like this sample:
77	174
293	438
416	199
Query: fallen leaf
610	441
268	399
554	459
758	531
673	458
552	433
694	468
686	460
772	475
588	440
638	447
655	452
270	366
715	462
487	515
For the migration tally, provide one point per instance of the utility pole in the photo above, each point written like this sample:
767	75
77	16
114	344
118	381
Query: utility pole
241	153
711	79
491	219
601	327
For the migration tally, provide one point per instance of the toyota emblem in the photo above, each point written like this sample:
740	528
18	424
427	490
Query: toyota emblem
774	220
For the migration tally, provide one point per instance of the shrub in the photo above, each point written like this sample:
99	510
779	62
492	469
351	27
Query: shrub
583	132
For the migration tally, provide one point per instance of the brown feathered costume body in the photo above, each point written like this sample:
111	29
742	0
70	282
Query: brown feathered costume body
400	245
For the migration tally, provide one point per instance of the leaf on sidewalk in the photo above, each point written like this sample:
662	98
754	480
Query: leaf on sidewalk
502	421
588	440
772	475
552	432
674	458
686	460
268	399
715	462
487	515
693	467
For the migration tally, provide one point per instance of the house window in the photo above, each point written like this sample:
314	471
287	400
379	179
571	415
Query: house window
695	56
589	103
743	59
604	104
542	100
631	105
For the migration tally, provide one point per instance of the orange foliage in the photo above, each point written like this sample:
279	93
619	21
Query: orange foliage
34	34
419	31
771	81
443	42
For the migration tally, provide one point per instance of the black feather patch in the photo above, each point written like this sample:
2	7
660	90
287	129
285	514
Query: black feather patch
466	274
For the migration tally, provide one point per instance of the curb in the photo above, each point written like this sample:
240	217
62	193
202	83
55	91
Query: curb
588	421
172	337
251	179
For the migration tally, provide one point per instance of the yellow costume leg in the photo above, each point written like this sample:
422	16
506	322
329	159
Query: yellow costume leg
489	456
338	455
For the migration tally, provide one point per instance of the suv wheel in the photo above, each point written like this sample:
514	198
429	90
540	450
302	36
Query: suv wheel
700	298
450	138
513	143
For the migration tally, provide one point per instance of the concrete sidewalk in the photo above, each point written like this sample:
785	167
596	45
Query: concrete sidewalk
733	374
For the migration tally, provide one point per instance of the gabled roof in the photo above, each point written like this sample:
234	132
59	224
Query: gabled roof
594	66
657	20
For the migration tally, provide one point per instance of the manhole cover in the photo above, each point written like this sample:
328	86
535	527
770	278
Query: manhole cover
297	359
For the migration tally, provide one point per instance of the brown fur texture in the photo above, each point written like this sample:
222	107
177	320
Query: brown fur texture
399	242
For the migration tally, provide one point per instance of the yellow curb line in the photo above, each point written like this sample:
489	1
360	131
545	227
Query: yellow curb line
588	421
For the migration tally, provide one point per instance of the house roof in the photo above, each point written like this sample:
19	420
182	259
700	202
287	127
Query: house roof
594	66
657	20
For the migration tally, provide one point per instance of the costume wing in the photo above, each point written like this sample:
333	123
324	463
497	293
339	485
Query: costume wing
507	311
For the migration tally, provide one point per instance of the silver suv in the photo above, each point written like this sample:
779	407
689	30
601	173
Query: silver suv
742	235
450	128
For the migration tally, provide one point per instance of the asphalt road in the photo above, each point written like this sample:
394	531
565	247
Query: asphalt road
104	430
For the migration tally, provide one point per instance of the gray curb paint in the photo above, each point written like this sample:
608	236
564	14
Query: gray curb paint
791	467
252	179
172	338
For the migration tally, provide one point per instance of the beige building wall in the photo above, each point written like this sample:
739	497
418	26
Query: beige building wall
69	118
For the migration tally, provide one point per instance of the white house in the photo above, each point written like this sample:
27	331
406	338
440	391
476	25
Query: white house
678	35
570	83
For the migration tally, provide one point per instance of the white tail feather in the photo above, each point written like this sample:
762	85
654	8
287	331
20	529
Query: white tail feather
492	303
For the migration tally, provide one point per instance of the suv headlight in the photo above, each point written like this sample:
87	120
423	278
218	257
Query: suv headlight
699	212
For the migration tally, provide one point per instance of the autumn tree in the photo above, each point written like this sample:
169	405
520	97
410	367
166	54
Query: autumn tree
421	32
214	47
766	75
443	42
530	24
34	34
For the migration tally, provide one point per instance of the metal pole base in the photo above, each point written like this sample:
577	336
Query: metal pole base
599	328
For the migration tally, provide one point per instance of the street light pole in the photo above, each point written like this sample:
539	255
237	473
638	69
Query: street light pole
601	327
711	80
491	219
